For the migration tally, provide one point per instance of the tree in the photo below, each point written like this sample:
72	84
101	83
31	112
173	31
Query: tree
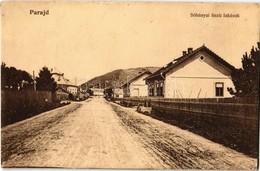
14	79
45	82
108	93
3	75
90	92
246	79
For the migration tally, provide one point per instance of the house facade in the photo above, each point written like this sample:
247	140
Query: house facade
98	91
64	83
73	89
118	92
197	73
136	87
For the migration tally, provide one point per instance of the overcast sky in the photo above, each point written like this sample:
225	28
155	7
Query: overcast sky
85	40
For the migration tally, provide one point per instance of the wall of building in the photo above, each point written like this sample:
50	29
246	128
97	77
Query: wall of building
138	87
118	92
98	91
72	89
197	79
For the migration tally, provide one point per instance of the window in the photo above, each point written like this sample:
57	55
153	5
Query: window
151	90
160	89
219	89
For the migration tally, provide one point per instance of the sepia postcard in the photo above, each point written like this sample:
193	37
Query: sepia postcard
130	85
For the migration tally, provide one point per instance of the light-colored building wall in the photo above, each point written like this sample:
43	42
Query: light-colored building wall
97	91
118	92
138	87
72	89
197	78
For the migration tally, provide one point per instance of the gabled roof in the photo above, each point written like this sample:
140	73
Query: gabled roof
61	80
61	89
138	76
183	58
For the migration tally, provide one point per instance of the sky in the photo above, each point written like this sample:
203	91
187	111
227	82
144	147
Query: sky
88	39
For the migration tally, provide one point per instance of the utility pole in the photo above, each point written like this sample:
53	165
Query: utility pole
127	85
34	82
86	86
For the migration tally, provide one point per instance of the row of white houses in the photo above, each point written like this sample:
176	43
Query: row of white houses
197	73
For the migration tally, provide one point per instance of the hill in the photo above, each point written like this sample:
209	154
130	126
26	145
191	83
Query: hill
116	78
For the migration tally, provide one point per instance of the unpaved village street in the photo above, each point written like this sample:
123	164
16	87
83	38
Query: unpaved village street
100	134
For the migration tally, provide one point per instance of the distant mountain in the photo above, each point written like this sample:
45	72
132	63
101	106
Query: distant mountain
117	77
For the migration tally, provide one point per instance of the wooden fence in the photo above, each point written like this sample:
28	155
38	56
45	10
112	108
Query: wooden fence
59	96
197	100
230	121
247	111
237	107
18	105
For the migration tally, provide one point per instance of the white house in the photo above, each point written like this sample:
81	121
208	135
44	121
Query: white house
118	92
64	83
197	73
137	87
98	91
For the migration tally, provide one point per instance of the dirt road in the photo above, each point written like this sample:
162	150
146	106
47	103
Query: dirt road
99	134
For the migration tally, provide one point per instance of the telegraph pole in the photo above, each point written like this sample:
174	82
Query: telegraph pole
34	82
127	85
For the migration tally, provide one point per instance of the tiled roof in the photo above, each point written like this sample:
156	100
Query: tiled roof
181	59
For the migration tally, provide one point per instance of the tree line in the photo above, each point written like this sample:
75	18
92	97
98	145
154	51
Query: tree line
16	79
246	79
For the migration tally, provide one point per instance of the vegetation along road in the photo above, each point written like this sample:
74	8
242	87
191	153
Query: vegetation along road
99	134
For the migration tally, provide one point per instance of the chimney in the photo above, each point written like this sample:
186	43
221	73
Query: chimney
184	53
189	50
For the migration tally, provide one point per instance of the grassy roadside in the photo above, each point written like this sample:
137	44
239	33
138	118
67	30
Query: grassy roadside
14	136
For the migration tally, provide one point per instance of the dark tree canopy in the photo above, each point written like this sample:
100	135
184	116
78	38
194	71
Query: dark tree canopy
14	79
108	93
90	92
45	82
246	79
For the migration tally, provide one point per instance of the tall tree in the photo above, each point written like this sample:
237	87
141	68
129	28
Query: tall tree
246	79
3	75
45	82
14	79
